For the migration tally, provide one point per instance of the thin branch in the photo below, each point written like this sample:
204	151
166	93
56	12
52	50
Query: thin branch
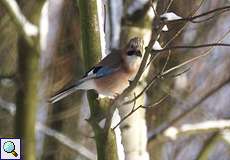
143	91
169	5
154	10
23	25
158	131
66	141
201	127
143	63
180	73
164	127
177	34
167	60
153	81
135	109
182	28
185	63
191	19
8	76
222	9
156	103
160	76
11	108
191	47
134	83
152	59
208	146
129	114
207	52
209	18
7	106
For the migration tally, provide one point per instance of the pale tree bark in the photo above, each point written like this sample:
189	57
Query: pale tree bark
134	129
90	34
50	25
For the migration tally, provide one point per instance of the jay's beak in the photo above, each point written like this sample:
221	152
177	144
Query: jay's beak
138	53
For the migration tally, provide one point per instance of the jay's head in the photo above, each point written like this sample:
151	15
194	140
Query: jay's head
134	51
135	47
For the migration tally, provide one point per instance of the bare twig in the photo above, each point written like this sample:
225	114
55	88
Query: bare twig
209	18
191	19
8	76
23	25
221	9
186	62
153	81
191	47
162	74
180	73
208	146
162	128
207	52
177	34
152	59
169	5
154	10
182	28
167	60
158	131
66	141
129	114
11	108
143	91
202	127
156	103
134	83
135	109
8	106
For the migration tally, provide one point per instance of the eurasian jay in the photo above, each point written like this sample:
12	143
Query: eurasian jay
112	75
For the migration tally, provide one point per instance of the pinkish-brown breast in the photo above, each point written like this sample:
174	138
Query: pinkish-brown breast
113	84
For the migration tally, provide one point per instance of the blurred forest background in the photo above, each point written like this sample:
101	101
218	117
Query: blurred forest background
43	48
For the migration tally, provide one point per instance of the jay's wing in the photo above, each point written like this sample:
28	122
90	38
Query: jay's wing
107	66
110	64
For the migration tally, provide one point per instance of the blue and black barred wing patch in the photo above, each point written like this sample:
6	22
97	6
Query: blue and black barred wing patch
99	71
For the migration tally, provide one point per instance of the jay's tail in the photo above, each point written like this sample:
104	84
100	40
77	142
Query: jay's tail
81	84
64	93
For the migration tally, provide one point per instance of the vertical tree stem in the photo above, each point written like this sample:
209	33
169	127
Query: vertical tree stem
27	97
90	34
26	100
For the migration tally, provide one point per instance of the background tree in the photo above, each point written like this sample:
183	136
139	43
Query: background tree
191	123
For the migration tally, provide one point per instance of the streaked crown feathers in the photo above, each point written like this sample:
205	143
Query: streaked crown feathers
136	43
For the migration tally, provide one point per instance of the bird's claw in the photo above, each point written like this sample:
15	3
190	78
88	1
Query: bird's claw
116	95
130	82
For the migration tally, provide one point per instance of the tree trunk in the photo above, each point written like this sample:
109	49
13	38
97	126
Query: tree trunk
105	141
134	128
28	58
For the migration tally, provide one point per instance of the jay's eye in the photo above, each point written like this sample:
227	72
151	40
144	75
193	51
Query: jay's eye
130	53
137	53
